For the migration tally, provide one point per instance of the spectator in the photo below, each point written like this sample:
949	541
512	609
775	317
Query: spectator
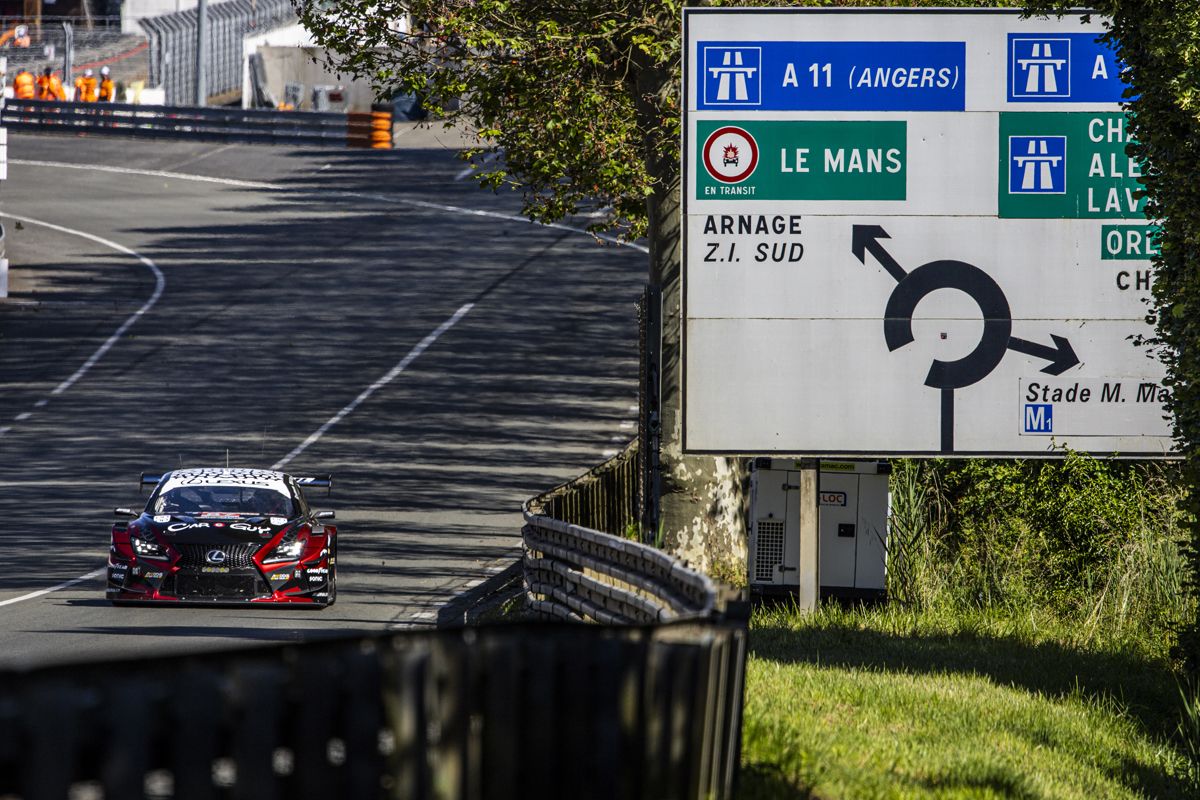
24	85
85	87
108	90
18	36
50	87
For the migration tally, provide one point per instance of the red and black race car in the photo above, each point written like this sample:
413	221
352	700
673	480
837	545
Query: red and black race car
225	536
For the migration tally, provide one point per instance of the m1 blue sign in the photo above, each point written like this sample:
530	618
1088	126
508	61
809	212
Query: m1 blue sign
1062	68
1039	418
832	76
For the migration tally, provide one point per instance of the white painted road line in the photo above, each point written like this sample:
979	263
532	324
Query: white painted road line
96	573
412	356
487	159
153	173
159	284
276	187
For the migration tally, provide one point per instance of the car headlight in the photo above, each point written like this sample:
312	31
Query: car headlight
145	546
290	547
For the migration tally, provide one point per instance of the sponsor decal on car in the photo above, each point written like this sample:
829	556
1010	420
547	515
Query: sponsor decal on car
261	530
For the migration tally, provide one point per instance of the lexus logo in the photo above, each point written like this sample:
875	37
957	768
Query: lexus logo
215	556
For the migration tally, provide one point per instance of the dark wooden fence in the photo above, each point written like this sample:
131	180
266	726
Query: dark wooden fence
513	711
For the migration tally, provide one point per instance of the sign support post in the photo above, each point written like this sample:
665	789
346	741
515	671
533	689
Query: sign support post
809	595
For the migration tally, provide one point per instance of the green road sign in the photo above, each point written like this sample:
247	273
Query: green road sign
801	160
1128	242
1067	166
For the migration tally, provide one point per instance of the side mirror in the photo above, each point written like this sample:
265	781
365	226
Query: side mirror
325	515
126	512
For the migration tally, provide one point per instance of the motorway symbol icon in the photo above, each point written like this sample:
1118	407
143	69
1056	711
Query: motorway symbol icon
733	76
1037	164
1041	67
912	287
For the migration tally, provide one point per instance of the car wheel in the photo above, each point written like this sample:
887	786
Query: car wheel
332	588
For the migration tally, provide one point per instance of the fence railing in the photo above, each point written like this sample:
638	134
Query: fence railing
605	498
581	575
512	711
214	123
94	43
173	45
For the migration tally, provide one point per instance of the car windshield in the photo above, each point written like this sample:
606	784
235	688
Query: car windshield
224	499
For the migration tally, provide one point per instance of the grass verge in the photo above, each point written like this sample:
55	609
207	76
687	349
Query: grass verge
887	703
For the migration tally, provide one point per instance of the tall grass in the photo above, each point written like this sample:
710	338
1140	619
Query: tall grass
1093	542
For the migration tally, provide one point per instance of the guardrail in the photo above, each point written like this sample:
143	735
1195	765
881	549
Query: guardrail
573	573
578	574
212	123
511	711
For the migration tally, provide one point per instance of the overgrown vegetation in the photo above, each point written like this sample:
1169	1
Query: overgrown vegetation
1098	542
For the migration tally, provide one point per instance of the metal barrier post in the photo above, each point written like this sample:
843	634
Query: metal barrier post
68	52
201	52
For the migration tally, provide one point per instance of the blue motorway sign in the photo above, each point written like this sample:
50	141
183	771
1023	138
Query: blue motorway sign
1062	68
1037	165
831	76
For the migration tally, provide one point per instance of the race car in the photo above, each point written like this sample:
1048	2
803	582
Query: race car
225	537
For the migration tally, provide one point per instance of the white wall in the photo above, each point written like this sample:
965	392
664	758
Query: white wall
288	55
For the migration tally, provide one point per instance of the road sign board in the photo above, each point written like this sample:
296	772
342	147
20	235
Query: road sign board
912	232
834	76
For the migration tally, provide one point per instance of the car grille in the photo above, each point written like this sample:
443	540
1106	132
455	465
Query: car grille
237	556
220	586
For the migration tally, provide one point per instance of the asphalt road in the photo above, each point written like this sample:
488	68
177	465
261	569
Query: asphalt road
337	311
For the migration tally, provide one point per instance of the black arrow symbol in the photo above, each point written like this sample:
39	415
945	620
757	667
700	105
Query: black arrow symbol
866	237
1061	356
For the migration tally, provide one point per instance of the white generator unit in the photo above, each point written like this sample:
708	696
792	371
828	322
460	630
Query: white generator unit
853	519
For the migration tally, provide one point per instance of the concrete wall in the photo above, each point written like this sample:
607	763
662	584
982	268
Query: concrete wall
288	54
